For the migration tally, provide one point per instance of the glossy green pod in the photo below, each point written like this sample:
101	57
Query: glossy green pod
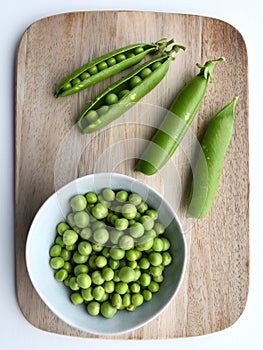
107	65
176	122
210	162
104	113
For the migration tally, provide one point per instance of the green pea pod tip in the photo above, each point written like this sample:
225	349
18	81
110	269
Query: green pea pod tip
207	69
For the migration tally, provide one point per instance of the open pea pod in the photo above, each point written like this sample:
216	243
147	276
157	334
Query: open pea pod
107	65
124	93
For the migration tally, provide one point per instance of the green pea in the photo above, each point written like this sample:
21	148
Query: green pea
91	116
155	258
138	50
159	229
59	241
71	247
167	258
73	285
66	86
102	65
133	254
108	310
76	298
109	286
56	262
62	227
84	248
121	287
121	224
123	93
68	267
93	70
101	261
86	233
55	250
122	196
130	55
131	307
137	299
107	273
135	287
134	81
108	194
120	57
75	81
91	198
157	244
145	73
155	65
87	294
99	211
154	287
79	258
97	277
115	235
117	253
98	293
84	280
111	61
147	222
152	213
126	242
70	220
136	230
70	237
147	295
126	274
155	271
158	279
142	208
113	263
84	76
78	203
166	243
132	264
98	224
65	254
116	300
101	235
129	211
144	263
111	98
93	308
81	219
61	275
79	269
145	279
135	199
126	299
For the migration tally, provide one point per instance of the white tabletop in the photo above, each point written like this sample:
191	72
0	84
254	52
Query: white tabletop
16	16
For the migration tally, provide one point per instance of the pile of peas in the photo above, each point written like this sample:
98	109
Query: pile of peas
93	70
114	97
111	252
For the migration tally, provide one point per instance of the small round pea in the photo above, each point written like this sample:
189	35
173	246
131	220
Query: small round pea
66	86
103	109
115	235
167	258
147	295
144	263
79	269
84	75
145	279
147	222
65	254
133	254
98	293
111	98
91	198
70	220
75	81
108	194
126	274
121	287
136	230
126	299
73	285
84	280
102	65
93	308
155	65
78	203
101	261
71	247
138	50
123	93
81	219
121	224
135	287
101	235
120	57
98	224
56	262
117	253
129	211
61	275
79	258
99	211
76	298
55	250
116	300
155	271
159	228
111	61
126	242
166	243
135	199
152	213
68	267
107	273
122	196
91	116
153	287
93	70
137	299
157	244
155	258
107	309
70	237
134	81
62	227
145	72
158	279
87	294
84	248
97	277
86	233
142	208
109	286
130	54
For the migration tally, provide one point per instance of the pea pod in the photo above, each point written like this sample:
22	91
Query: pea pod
176	122
210	162
124	93
107	65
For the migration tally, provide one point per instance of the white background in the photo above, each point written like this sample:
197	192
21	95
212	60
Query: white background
15	17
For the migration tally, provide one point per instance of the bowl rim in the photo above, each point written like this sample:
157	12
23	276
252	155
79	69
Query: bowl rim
42	295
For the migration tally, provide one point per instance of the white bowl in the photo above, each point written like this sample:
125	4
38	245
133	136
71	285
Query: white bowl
56	296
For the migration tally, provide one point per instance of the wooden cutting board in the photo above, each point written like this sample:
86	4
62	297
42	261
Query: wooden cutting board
50	151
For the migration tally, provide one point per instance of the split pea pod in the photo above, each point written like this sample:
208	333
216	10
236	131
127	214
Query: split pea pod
124	93
176	122
210	162
108	65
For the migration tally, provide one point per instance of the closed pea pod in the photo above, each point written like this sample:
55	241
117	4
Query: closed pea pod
107	65
210	162
135	88
176	122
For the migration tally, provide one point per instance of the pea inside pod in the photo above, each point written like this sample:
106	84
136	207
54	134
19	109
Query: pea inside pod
210	162
124	93
107	65
176	122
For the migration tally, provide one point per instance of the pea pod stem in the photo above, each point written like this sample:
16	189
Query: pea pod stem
133	96
176	122
210	161
81	79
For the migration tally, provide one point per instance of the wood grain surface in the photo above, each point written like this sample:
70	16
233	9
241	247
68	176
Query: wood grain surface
51	151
